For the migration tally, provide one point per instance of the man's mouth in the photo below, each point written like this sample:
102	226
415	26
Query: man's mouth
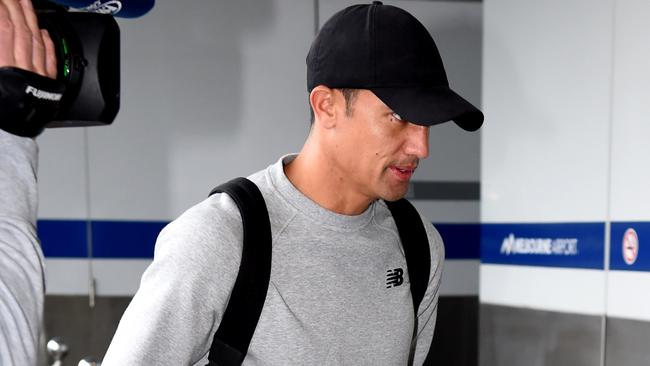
403	173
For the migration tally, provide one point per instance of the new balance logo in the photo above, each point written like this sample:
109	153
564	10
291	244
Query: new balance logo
394	277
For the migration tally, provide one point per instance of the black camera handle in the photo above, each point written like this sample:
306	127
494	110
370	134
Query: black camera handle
28	101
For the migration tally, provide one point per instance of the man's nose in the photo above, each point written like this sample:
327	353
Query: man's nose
418	141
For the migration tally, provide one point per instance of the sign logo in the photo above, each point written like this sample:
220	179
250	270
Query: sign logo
630	246
394	277
109	7
512	245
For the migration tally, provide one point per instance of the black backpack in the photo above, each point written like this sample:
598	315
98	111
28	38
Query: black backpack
230	343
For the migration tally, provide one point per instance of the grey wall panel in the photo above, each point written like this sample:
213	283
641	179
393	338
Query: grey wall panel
447	191
511	336
455	342
87	331
627	342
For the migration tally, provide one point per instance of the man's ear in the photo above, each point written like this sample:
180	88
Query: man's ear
322	100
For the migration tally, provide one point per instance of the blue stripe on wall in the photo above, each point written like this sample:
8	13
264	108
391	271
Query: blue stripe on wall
525	244
63	238
125	239
570	245
642	261
462	241
111	239
136	239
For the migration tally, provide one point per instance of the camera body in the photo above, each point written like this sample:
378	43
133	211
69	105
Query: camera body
87	89
88	61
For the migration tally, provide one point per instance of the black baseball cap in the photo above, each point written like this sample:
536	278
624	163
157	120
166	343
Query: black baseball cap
386	50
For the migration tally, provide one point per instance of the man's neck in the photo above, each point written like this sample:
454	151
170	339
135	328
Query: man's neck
318	179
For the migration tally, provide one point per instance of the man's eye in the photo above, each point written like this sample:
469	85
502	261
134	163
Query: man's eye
396	116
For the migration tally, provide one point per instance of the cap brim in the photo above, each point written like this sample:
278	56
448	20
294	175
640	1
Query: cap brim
431	106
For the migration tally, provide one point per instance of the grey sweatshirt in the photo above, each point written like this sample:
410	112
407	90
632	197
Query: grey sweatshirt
21	260
328	302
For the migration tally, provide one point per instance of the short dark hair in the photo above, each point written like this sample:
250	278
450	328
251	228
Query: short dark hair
350	96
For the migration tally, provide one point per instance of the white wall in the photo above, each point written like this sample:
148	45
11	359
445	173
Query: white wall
546	94
545	147
628	292
565	141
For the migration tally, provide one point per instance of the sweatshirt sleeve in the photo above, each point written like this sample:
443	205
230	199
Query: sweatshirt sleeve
428	310
183	293
21	260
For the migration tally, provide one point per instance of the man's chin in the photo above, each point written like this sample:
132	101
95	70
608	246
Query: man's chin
395	194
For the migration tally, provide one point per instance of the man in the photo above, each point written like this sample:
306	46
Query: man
376	84
22	45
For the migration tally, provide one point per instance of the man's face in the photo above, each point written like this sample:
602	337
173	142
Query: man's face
375	151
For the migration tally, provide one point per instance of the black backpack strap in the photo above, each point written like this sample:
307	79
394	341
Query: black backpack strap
415	242
231	341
